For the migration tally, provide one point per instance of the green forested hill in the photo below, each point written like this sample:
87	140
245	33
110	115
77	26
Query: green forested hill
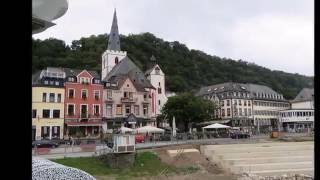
186	70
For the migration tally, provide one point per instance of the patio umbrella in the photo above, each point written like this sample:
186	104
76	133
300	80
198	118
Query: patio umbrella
125	129
174	130
149	129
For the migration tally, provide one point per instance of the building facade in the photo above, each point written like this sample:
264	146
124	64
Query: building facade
250	106
300	118
83	102
48	104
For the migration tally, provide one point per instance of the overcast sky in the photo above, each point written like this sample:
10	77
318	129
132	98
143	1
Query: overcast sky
277	34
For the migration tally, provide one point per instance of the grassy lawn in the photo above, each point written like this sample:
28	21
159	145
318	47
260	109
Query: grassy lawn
146	164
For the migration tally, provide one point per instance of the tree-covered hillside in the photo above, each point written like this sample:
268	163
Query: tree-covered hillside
186	70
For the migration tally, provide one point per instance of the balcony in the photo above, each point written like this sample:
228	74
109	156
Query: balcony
94	115
109	100
128	100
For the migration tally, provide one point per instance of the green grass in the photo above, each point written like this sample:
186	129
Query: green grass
146	164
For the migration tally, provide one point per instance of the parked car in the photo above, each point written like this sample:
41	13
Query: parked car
45	144
239	135
139	138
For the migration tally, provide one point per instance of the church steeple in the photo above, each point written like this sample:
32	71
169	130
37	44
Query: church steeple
114	39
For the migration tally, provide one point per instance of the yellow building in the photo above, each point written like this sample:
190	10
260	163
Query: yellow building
48	104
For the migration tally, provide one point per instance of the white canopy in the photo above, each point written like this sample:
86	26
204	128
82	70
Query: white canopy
125	129
149	129
216	126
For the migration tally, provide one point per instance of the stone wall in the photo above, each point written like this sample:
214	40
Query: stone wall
119	160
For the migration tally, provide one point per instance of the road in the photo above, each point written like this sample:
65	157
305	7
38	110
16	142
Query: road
62	152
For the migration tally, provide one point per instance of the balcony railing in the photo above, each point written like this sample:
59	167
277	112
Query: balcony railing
84	115
126	99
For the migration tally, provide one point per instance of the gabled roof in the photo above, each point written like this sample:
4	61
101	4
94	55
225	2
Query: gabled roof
126	68
306	94
75	72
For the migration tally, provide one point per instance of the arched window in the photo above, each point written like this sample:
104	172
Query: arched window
116	60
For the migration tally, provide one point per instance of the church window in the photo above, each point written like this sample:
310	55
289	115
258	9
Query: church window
157	70
116	60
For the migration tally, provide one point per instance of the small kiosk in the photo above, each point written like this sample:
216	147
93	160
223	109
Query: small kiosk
124	143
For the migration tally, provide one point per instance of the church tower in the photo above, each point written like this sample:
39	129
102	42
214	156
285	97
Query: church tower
157	78
113	55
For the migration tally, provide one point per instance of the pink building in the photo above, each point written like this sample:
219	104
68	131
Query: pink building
83	102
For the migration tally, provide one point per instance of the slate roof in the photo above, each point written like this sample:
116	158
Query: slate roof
126	68
114	39
306	94
253	89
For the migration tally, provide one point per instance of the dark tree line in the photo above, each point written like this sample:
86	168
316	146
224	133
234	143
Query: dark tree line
186	70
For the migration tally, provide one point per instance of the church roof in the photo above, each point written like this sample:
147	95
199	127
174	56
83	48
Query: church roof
114	39
126	68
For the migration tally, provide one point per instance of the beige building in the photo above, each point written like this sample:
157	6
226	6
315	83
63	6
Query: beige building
127	97
48	104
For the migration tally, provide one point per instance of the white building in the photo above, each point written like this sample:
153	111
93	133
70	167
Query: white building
300	118
250	106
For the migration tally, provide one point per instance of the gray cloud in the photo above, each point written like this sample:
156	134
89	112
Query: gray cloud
272	33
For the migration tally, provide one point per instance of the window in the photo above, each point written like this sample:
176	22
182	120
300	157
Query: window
70	79
145	97
71	93
57	83
245	112
119	109
157	70
159	102
34	113
234	94
159	90
128	109
235	102
109	94
84	93
46	113
46	82
240	102
59	98
245	103
56	113
136	109
222	103
145	110
51	82
249	104
96	95
96	109
223	114
84	111
55	133
97	81
116	60
71	109
44	97
125	94
240	112
228	112
45	130
109	110
228	102
249	112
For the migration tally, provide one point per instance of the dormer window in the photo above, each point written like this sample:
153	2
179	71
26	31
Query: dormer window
70	79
